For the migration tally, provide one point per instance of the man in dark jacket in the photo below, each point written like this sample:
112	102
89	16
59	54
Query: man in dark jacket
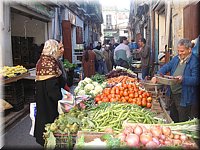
184	95
145	54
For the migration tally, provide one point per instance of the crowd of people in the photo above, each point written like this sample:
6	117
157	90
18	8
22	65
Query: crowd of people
112	54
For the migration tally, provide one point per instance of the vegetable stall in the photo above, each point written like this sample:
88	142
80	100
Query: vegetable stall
117	111
13	85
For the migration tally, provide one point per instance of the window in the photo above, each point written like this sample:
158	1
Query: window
108	22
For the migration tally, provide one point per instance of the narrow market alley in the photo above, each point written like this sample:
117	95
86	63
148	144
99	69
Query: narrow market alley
103	75
18	136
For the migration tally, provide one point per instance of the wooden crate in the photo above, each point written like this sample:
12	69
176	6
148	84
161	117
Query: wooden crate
160	110
63	139
166	80
88	136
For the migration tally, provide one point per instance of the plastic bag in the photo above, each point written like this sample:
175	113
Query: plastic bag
33	111
4	105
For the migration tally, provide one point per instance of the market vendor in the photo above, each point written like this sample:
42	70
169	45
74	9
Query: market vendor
184	95
48	87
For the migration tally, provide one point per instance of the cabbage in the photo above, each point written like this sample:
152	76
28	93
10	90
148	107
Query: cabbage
98	89
89	87
81	92
87	80
95	83
81	83
93	93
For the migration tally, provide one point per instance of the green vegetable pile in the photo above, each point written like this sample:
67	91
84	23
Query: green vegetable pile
66	123
69	65
112	115
98	78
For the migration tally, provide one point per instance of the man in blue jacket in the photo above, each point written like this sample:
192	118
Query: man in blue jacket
184	94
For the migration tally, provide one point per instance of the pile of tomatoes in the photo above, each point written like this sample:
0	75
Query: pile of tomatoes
126	93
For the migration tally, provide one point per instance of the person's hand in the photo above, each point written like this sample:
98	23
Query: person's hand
179	78
154	80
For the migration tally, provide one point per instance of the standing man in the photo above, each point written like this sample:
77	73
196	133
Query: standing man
108	59
122	54
184	95
145	54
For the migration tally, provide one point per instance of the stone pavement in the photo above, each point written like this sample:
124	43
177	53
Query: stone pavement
18	137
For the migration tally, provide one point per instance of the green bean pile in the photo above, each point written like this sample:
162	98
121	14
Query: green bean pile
112	115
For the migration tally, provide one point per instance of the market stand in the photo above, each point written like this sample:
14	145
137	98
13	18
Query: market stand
77	123
14	91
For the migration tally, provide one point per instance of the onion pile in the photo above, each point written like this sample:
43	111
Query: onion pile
154	137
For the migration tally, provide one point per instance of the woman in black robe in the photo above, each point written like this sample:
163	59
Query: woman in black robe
49	81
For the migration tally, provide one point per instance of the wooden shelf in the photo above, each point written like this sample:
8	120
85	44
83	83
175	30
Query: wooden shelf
15	79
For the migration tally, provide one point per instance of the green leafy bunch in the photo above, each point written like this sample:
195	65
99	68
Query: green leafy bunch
69	65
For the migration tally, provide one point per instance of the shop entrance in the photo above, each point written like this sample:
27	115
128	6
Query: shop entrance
28	36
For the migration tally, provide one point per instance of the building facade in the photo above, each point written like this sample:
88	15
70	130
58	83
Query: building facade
163	23
115	23
27	25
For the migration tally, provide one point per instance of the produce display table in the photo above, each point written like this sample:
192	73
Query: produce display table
14	91
15	79
121	100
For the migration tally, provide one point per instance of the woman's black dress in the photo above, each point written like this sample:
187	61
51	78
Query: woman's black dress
48	92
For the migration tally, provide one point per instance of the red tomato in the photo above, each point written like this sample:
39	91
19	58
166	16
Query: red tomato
149	105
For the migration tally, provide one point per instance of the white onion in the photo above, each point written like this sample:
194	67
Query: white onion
183	137
162	137
121	136
176	136
151	144
138	130
176	142
156	140
166	131
128	130
132	140
156	131
145	138
167	142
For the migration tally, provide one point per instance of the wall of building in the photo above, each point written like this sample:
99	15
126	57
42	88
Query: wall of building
177	24
27	27
119	20
162	38
6	37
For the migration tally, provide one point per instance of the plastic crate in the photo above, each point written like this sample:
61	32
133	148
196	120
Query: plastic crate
14	94
18	107
62	140
29	91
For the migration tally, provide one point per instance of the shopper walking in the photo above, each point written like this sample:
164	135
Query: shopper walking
100	59
88	62
48	87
